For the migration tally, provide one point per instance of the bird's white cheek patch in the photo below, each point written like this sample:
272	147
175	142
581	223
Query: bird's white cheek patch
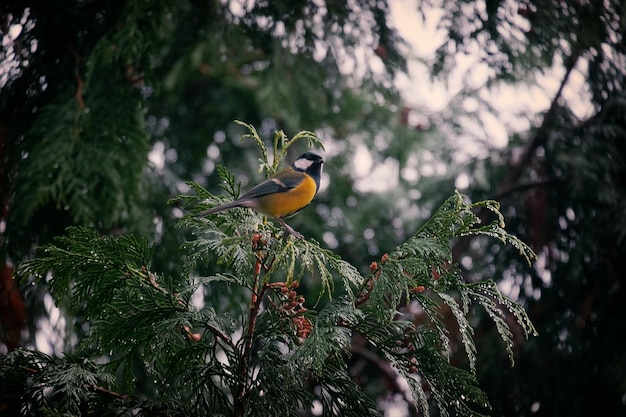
303	164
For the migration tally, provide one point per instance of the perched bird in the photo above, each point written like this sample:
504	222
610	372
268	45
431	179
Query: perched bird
284	193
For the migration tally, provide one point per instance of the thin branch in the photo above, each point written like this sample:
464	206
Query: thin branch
544	182
518	166
80	83
106	392
244	363
390	374
540	137
221	335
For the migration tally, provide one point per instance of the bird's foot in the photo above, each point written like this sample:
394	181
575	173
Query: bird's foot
290	229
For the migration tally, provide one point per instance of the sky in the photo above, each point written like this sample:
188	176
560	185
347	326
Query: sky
531	96
515	108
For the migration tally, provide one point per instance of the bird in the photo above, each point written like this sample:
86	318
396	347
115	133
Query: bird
284	193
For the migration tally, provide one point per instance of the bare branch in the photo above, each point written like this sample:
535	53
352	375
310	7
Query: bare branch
517	167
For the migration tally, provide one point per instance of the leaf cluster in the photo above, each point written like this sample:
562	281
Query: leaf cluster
78	138
33	383
273	352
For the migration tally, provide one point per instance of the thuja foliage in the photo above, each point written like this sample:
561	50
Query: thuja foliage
254	344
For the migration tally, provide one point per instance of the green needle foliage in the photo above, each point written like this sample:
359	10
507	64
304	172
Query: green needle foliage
254	345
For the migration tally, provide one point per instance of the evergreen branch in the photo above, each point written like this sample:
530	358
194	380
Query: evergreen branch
69	378
466	331
254	135
208	280
311	137
488	295
97	263
422	263
138	316
280	139
282	144
330	335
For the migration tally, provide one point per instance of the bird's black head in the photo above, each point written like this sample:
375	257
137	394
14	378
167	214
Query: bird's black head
311	164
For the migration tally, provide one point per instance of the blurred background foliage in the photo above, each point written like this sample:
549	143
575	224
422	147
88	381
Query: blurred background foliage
107	108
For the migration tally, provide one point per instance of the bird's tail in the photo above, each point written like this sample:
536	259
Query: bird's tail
223	207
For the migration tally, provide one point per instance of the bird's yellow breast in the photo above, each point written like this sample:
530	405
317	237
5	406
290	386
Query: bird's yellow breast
288	202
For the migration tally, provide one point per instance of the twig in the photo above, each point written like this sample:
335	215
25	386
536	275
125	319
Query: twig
244	363
540	137
221	335
80	84
526	186
517	168
390	373
107	392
